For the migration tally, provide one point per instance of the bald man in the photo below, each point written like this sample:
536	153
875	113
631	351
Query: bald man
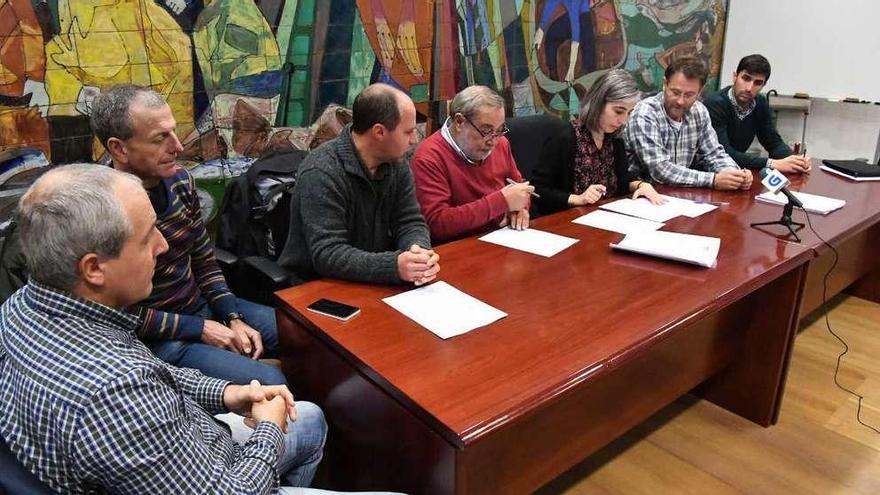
354	213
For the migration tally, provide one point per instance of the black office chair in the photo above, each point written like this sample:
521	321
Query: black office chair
527	137
15	478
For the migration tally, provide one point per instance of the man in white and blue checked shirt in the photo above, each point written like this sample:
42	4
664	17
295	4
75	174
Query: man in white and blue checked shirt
84	405
670	138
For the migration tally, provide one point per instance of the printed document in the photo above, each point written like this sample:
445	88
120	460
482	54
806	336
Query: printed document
444	310
813	203
615	222
688	248
530	240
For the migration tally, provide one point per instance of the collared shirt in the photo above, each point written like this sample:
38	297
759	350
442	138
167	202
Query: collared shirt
86	407
741	113
447	135
688	156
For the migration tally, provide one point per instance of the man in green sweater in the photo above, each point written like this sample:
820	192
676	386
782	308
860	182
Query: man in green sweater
739	113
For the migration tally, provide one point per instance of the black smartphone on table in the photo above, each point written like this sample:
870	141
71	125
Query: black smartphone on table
333	309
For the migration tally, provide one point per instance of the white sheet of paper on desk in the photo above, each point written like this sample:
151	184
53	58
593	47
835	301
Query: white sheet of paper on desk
529	240
813	203
688	208
444	310
643	208
615	222
688	248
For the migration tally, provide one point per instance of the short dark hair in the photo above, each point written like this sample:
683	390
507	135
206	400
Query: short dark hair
377	104
691	67
754	64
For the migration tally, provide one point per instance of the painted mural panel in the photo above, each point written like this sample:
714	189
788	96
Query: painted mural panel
244	76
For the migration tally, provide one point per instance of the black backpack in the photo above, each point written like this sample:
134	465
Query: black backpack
254	212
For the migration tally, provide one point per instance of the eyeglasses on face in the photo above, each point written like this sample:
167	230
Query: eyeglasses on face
497	133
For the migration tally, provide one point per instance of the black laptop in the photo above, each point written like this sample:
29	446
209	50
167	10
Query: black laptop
854	168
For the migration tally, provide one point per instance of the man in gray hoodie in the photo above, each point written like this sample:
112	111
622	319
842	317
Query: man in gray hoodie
354	213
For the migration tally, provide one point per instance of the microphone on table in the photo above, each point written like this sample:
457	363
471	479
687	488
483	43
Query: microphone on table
774	181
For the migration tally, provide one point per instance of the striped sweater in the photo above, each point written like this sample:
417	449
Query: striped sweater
187	273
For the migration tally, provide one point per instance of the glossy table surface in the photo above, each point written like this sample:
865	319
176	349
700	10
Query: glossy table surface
571	317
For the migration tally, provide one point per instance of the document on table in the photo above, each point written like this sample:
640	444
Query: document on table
530	240
813	203
687	207
643	208
444	310
688	248
615	222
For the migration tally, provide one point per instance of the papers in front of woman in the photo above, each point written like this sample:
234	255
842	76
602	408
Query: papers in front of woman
615	222
688	248
813	203
673	207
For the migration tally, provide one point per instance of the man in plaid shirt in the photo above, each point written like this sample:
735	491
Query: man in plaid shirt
84	404
670	137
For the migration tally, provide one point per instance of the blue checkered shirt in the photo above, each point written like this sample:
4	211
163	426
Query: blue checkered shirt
87	408
688	156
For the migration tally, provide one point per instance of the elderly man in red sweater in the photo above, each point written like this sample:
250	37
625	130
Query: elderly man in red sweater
466	178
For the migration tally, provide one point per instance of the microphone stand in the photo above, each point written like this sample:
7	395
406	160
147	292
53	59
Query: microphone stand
786	221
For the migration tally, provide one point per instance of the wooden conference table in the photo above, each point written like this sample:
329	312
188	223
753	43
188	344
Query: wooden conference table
596	341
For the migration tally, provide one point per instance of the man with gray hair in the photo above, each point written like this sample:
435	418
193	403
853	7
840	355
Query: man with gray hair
466	178
84	405
190	319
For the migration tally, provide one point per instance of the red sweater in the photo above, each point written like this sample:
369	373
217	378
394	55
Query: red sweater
459	198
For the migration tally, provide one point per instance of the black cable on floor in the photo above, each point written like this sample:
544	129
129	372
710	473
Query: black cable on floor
828	325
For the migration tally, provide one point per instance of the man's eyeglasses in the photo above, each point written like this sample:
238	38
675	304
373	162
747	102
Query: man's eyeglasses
501	131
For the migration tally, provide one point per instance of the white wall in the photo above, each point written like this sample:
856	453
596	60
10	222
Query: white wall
834	129
826	49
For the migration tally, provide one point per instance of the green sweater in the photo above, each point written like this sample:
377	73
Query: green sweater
737	135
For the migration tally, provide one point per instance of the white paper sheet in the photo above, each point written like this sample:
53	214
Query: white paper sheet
615	222
444	310
529	240
694	249
689	208
642	208
813	203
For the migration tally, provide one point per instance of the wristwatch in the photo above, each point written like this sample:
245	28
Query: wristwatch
233	316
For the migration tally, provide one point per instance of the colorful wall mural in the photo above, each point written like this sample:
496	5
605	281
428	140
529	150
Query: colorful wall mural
246	76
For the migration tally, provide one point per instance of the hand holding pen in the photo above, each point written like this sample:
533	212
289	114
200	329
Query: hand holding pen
593	193
516	194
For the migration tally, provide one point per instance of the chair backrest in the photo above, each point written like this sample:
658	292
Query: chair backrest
527	137
15	478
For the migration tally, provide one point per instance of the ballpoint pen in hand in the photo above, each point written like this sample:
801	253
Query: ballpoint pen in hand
513	182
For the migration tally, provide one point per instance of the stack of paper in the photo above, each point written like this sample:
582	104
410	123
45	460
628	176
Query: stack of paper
444	310
695	249
529	240
813	203
616	222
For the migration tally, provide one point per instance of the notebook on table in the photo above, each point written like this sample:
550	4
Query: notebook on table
854	169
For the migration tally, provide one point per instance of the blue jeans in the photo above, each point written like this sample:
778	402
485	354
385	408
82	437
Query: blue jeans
303	443
224	364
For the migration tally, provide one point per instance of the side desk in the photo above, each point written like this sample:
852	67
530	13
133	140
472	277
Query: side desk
596	341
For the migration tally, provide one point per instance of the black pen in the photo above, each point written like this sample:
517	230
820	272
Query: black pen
513	182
